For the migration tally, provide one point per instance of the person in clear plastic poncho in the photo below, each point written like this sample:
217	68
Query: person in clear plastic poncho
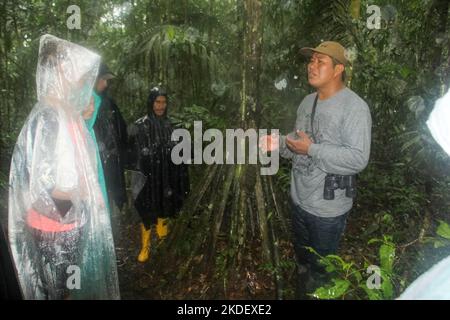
59	227
435	283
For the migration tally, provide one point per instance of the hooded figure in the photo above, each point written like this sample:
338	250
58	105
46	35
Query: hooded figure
159	186
59	227
111	133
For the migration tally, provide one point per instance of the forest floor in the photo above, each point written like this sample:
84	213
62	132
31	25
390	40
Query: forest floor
134	282
140	281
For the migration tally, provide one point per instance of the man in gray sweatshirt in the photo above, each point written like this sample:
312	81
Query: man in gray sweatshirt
333	147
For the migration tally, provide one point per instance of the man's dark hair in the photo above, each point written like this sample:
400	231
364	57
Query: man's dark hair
335	63
155	92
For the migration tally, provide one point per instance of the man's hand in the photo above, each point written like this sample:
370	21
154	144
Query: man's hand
269	143
300	145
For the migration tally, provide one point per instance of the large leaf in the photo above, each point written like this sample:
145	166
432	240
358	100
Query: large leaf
387	256
439	243
386	287
171	33
443	230
358	276
333	292
373	294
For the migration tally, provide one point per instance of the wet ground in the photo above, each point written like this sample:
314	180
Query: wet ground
134	280
139	281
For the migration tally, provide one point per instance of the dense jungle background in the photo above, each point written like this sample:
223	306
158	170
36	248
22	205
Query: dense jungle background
236	64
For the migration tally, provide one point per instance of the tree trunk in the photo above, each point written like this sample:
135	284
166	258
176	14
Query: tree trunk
223	238
355	9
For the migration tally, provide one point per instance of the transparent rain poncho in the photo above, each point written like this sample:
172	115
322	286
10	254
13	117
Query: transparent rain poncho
438	122
435	283
59	225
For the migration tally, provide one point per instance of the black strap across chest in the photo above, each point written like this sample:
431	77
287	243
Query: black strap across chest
313	113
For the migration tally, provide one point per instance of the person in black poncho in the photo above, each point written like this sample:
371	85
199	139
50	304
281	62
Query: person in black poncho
158	185
111	133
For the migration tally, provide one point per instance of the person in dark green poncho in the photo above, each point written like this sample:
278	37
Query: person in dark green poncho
110	131
90	116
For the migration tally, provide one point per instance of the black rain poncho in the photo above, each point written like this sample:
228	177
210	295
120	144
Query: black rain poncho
59	227
159	186
111	132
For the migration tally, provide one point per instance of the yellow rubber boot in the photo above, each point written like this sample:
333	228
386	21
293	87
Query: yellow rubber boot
161	228
145	251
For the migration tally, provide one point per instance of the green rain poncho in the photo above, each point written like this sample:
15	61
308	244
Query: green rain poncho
90	125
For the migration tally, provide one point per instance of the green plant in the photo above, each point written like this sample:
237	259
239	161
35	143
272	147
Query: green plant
347	278
443	232
186	117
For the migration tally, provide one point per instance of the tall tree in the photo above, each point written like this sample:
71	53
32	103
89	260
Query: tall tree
225	237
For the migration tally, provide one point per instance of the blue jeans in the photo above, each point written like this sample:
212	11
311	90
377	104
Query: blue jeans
322	234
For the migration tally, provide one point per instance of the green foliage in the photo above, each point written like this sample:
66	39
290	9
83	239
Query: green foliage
336	290
394	199
347	278
283	266
443	232
188	115
284	176
194	48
